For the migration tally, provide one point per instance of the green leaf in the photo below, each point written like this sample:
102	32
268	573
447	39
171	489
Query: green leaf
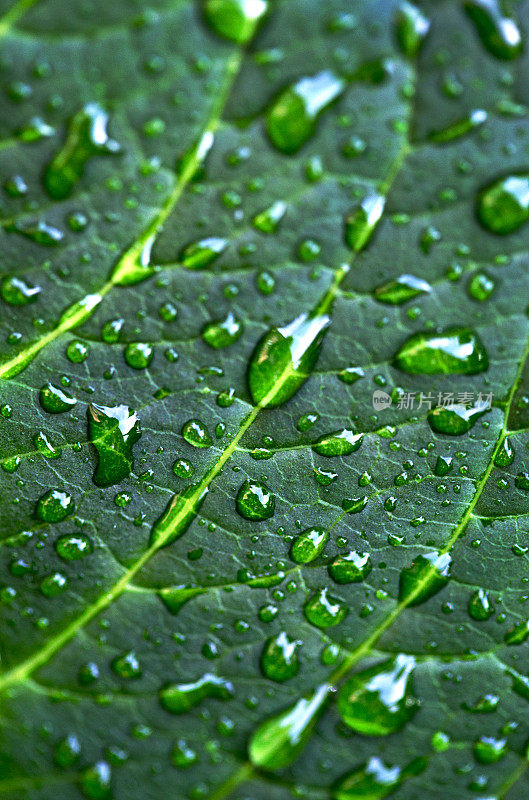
264	426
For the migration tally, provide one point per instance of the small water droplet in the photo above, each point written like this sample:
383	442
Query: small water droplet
308	545
351	567
455	351
73	546
480	605
323	610
361	222
196	434
338	443
203	253
279	659
222	333
236	20
181	697
138	355
457	419
402	289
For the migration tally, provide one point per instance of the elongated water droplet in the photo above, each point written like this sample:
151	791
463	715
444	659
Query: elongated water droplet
379	700
278	741
424	578
67	751
351	567
505	455
95	781
323	610
338	443
518	634
308	545
292	119
267	221
203	253
279	659
54	400
37	231
45	447
455	351
181	697
222	333
361	222
284	358
503	205
411	28
444	465
86	137
113	432
178	515
236	20
462	127
54	506
177	596
489	750
456	420
17	292
499	34
402	289
255	501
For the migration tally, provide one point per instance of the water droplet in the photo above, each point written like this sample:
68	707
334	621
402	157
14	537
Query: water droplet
503	205
521	481
138	355
292	118
462	127
374	780
279	659
203	253
267	221
361	222
379	701
67	751
284	358
127	666
53	585
517	634
323	610
37	231
181	697
55	400
338	443
308	545
456	420
455	351
86	137
54	506
17	292
444	465
73	546
177	516
45	447
481	287
196	434
278	741
175	597
113	432
424	578
499	34
77	352
488	750
183	756
236	20
354	505
222	333
255	501
351	567
95	781
402	289
411	27
480	605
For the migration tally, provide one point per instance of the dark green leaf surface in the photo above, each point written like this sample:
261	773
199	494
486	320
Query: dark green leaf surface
225	572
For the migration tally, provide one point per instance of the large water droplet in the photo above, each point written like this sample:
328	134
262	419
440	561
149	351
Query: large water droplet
503	205
455	351
488	750
361	222
255	501
201	254
195	433
292	118
500	34
278	741
279	659
95	781
402	289
456	420
284	358
411	27
308	545
323	610
177	516
351	567
338	443
424	578
54	506
181	697
267	221
17	292
86	137
54	400
374	780
113	432
236	20
36	231
480	605
73	546
379	700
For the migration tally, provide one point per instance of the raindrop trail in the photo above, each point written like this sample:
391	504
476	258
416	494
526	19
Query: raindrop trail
127	264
